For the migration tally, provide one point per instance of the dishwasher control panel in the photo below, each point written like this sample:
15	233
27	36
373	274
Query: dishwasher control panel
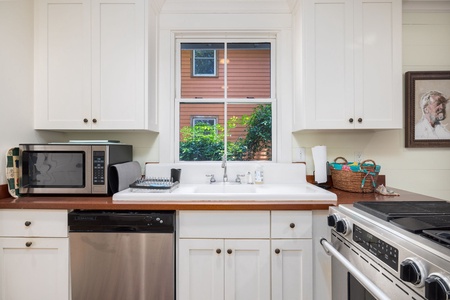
121	221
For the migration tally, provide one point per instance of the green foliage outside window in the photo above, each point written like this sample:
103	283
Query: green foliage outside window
205	142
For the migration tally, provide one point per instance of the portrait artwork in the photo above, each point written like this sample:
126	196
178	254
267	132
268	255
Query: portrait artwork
427	109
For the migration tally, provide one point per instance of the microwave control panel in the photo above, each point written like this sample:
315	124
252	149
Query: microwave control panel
98	177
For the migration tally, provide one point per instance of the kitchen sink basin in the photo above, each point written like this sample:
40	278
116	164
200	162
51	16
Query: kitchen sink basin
225	188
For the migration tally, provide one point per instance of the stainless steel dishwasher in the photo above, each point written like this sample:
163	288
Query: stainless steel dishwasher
118	255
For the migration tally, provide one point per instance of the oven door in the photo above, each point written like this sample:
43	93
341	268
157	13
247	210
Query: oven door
345	285
356	276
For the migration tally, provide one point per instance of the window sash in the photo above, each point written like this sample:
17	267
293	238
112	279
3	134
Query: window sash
178	100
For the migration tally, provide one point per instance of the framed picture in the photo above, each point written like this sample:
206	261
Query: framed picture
427	109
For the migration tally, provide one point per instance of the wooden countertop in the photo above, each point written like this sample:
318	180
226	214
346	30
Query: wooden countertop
106	203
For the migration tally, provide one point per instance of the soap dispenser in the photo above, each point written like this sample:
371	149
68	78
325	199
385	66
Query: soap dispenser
249	178
259	175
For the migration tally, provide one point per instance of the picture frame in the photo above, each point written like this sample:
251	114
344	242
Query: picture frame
427	109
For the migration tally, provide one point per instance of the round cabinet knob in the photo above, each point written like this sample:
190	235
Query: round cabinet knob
277	251
359	120
292	225
411	270
437	287
85	120
342	226
350	120
27	223
218	251
332	220
229	251
94	120
28	244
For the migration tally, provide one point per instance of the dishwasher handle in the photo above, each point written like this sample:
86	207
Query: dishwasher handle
369	285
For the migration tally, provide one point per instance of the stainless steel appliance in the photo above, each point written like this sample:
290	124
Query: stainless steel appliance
119	255
69	168
390	250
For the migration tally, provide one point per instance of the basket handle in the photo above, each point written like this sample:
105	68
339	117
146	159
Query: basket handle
369	168
340	157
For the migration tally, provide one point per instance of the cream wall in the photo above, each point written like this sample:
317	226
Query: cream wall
16	79
426	47
426	44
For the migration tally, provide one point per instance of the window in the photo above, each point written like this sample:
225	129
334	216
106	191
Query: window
208	120
229	112
204	63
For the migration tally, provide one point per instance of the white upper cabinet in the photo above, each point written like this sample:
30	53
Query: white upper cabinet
348	64
92	65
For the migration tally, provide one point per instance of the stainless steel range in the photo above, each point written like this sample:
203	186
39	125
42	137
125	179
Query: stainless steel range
390	250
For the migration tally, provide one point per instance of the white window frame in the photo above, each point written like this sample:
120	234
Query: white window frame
226	39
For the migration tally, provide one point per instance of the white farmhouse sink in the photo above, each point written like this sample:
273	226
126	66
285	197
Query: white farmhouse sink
224	192
282	182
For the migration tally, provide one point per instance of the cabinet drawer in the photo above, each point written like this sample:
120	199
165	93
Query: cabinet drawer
33	223
291	224
224	224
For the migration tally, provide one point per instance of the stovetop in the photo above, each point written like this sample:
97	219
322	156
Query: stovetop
429	219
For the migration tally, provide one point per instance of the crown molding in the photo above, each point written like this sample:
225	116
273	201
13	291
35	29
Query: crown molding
227	6
432	6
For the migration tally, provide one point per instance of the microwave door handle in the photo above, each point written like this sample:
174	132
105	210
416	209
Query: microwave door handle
369	285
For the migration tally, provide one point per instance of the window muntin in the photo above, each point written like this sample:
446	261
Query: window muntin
243	85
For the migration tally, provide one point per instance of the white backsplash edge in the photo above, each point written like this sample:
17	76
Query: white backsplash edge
195	173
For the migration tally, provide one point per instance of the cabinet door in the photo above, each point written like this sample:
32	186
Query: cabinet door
201	269
328	64
352	64
118	64
378	74
62	64
292	269
247	269
37	271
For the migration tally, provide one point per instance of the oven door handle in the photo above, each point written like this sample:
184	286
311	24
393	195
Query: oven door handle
369	285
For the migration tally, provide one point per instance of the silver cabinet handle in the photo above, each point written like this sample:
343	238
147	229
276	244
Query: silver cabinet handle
369	285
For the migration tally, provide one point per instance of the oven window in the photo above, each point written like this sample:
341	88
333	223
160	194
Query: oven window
53	169
356	290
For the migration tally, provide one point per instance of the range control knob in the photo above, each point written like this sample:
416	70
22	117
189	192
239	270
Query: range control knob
413	271
437	287
332	220
343	226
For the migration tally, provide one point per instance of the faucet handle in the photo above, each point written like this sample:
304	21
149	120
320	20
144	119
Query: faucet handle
211	178
238	177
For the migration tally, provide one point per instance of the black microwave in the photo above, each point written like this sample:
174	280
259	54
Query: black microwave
69	168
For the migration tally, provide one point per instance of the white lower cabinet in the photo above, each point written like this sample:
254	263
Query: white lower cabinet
292	269
234	255
224	269
34	255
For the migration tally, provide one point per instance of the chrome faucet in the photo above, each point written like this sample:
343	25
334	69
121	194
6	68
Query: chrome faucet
224	166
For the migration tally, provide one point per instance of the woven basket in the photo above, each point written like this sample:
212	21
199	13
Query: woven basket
352	181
